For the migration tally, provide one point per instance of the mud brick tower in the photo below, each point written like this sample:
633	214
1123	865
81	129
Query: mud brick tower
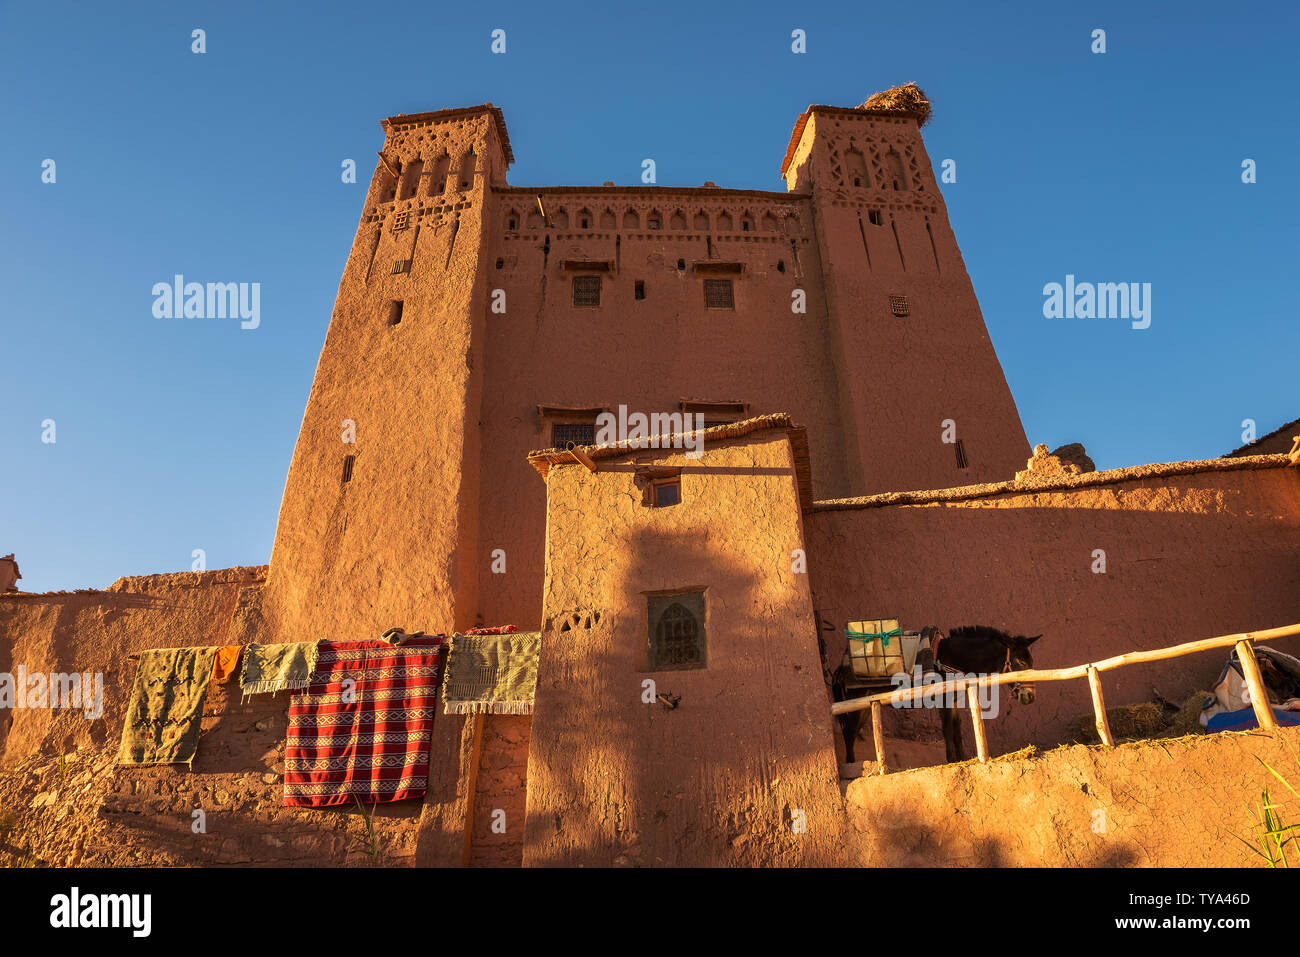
477	321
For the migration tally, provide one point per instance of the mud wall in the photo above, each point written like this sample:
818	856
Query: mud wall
1191	551
62	797
1177	803
721	777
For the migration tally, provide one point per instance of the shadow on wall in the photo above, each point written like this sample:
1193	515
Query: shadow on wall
719	778
1170	577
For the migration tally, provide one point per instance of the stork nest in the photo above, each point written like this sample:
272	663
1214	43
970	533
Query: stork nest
908	98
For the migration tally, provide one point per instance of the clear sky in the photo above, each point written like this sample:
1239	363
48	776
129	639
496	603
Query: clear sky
172	436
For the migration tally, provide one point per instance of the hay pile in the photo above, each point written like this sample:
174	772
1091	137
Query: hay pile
1188	718
908	98
1150	719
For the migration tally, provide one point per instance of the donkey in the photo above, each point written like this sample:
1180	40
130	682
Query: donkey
971	649
980	650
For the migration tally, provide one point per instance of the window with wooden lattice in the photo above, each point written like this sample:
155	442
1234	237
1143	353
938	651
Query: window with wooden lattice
898	306
677	634
586	290
401	266
401	219
718	294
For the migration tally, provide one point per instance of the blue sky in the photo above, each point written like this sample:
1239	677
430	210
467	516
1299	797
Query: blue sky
172	436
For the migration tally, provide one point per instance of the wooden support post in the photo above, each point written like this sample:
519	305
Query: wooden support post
387	165
1099	708
878	735
977	721
1255	682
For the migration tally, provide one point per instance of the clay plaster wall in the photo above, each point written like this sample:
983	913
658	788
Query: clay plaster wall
73	803
718	779
1178	803
1188	556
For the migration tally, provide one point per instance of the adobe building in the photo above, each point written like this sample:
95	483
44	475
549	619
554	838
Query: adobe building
691	598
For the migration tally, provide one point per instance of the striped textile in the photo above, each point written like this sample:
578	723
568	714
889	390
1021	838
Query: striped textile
366	738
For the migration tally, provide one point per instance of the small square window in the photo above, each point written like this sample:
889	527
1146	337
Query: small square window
666	492
586	290
348	462
876	217
718	294
395	312
579	433
677	635
401	220
638	289
898	306
401	266
653	223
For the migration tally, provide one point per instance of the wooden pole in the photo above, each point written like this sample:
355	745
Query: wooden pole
1258	693
582	457
977	720
878	735
1099	708
392	172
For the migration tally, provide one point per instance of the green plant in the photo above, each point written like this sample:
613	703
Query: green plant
1280	842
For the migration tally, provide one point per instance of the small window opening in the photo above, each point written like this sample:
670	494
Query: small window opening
638	289
962	461
677	631
579	433
666	492
780	265
401	266
718	294
348	462
681	264
395	312
899	307
876	218
586	290
500	263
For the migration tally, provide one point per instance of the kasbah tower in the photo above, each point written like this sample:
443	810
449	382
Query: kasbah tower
477	321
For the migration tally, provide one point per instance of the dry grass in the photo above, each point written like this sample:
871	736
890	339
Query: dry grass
1145	721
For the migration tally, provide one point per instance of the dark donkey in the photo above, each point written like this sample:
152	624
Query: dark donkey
969	650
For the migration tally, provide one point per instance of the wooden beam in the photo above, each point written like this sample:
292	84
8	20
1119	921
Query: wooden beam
384	159
582	457
1099	708
1255	681
878	736
977	720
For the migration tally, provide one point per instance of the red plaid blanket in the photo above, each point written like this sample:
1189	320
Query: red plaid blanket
362	728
